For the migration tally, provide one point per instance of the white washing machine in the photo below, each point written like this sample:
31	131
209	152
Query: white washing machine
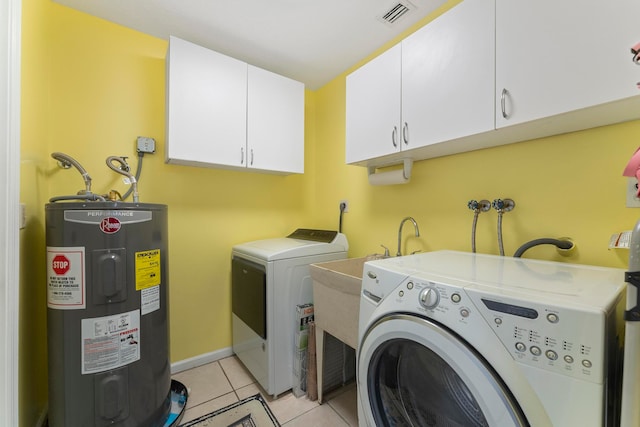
459	339
269	279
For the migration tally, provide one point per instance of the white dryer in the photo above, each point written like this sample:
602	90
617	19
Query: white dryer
269	278
459	339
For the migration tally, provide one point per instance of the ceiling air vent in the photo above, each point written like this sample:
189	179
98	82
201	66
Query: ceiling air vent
396	12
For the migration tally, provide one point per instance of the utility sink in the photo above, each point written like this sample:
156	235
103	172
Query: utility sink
336	297
336	305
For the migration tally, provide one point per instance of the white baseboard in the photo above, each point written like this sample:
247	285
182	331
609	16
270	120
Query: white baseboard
200	360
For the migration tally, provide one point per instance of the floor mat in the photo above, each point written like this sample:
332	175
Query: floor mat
250	412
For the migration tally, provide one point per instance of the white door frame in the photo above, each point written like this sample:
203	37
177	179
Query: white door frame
10	34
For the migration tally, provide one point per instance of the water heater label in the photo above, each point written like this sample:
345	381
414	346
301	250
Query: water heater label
150	300
110	342
99	215
147	269
66	278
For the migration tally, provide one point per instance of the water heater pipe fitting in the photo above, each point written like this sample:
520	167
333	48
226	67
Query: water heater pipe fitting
123	170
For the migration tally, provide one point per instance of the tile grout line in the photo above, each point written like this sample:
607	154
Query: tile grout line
233	388
339	414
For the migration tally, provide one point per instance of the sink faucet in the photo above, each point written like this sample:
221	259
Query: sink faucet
415	225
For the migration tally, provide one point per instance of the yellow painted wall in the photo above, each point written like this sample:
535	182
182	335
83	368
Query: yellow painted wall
91	87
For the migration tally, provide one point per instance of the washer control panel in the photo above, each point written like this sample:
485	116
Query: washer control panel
564	340
559	339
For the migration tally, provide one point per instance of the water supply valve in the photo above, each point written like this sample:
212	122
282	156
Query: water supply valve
503	205
479	206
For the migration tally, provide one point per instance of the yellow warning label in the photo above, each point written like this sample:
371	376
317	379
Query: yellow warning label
147	269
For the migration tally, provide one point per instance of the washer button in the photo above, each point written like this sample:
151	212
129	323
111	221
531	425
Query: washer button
464	312
410	285
536	351
551	355
520	346
586	363
401	293
553	318
498	321
456	297
568	359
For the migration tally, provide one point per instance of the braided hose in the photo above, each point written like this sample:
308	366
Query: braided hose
500	243
67	161
123	170
473	230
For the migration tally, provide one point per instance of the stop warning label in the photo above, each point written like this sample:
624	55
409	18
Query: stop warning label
66	278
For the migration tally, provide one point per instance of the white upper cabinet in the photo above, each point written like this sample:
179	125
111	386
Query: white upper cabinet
554	57
275	122
437	85
373	108
494	72
207	104
222	112
448	76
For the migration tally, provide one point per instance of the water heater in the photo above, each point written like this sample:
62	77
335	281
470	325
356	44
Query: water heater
107	299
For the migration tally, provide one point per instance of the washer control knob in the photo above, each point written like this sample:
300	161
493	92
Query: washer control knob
552	318
429	298
520	346
535	350
456	297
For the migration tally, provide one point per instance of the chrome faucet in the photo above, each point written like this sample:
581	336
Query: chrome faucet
415	225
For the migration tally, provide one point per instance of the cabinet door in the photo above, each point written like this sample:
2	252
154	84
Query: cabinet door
448	75
206	106
373	108
275	118
558	56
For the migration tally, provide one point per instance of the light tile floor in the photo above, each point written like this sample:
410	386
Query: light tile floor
221	383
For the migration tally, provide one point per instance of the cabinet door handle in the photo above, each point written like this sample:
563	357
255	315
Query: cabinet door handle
394	136
242	155
503	103
405	133
252	157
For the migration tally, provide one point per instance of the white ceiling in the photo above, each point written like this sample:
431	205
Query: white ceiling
310	41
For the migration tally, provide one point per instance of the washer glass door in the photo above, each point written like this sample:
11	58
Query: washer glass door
418	373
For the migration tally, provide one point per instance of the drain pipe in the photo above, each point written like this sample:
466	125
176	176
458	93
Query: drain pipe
502	206
123	169
477	207
564	245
